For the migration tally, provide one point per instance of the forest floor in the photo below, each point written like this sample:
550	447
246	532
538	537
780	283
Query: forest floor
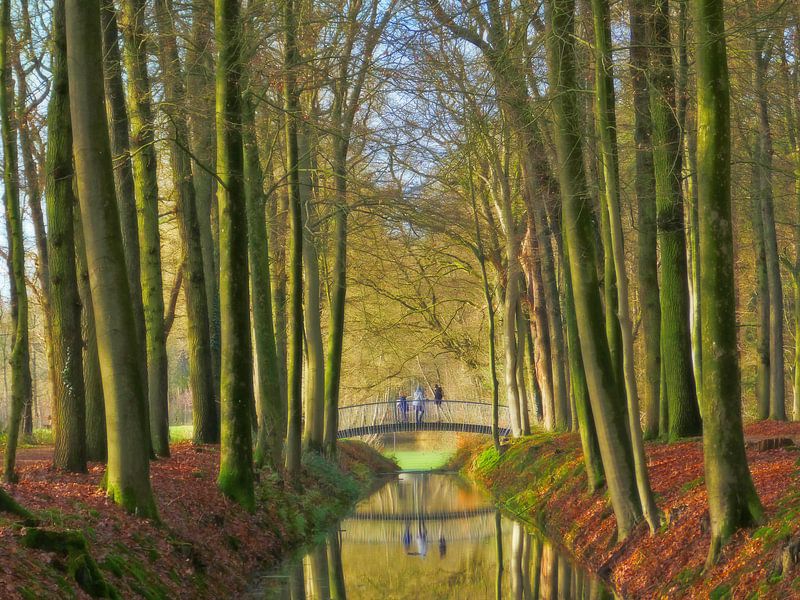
541	479
204	546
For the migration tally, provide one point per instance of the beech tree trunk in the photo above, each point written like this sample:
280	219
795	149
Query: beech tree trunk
123	177
676	346
201	373
732	498
645	189
608	406
128	473
20	352
69	410
145	181
236	370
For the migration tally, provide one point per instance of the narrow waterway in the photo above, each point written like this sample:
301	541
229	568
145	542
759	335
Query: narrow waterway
428	536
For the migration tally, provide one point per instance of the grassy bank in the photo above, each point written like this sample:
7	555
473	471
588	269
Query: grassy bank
204	545
542	479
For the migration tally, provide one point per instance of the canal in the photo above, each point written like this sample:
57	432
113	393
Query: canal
428	535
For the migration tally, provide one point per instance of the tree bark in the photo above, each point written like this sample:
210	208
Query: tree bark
608	408
676	346
96	439
69	409
269	443
128	473
645	189
145	181
732	498
777	399
315	354
201	373
20	353
295	341
123	178
236	373
200	80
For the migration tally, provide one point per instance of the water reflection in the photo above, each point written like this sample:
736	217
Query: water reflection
429	535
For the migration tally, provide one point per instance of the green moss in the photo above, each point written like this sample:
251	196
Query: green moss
80	565
693	484
721	592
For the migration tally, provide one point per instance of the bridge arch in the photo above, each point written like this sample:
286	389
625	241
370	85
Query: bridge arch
461	416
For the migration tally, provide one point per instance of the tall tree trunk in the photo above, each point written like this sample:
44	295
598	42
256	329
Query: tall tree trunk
689	149
269	443
123	177
20	353
295	342
145	182
333	364
645	189
595	476
236	372
33	194
69	423
608	408
693	240
777	399
278	209
607	121
128	473
490	310
732	498
200	80
676	346
96	439
762	291
532	266
201	380
522	385
315	373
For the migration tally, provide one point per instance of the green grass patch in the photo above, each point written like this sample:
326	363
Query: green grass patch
421	460
180	433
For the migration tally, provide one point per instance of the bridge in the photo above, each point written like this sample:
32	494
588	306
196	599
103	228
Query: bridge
390	528
462	416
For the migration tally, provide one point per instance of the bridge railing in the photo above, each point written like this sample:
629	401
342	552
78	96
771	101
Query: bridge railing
451	415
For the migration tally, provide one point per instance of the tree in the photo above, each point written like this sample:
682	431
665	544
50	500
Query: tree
69	425
145	181
676	348
20	353
732	498
347	99
269	444
123	178
607	123
128	473
607	406
295	345
645	189
201	372
777	400
236	374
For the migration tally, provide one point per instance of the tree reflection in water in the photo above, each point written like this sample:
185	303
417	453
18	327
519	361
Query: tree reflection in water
382	551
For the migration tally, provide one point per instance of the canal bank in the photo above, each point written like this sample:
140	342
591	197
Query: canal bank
204	546
541	479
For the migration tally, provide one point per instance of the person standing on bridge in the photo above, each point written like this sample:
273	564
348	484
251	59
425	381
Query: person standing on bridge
419	404
438	399
402	408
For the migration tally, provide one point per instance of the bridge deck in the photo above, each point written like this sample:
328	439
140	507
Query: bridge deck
414	427
376	418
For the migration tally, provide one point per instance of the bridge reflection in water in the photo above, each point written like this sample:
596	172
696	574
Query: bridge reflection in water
431	536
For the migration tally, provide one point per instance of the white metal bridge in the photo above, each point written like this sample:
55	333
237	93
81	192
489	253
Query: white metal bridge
462	416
